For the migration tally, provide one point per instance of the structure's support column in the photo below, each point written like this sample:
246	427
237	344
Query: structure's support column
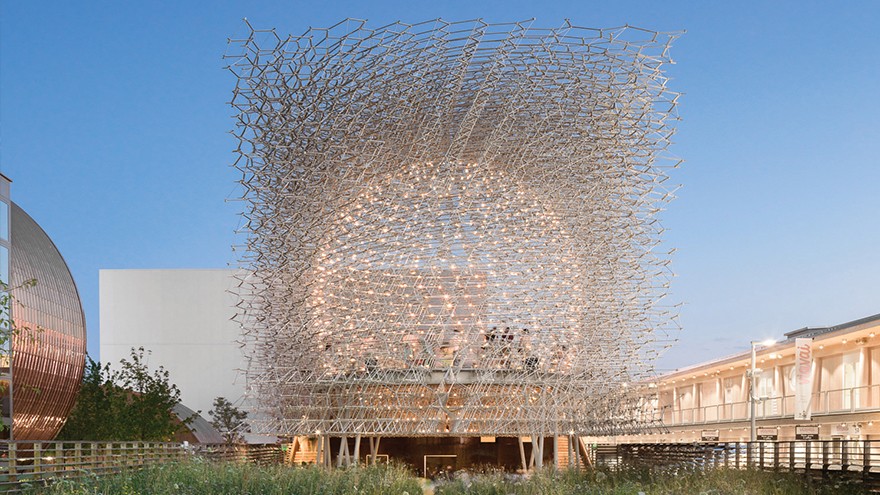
374	449
864	380
327	461
556	452
588	461
538	450
344	458
675	408
342	443
534	452
522	454
540	457
319	450
291	452
357	450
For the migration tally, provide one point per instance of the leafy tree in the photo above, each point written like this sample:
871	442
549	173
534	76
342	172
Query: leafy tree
131	403
229	420
8	330
94	403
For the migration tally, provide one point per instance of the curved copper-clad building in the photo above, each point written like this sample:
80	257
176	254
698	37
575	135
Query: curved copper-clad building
49	355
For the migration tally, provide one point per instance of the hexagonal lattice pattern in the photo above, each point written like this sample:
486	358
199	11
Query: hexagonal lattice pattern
451	226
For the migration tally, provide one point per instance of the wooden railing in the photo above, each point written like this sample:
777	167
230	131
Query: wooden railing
813	458
39	462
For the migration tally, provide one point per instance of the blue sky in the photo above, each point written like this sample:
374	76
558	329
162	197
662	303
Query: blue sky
114	127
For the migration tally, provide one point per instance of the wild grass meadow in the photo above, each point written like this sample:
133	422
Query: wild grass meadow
211	478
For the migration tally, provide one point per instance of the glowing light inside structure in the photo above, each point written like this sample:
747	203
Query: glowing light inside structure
452	226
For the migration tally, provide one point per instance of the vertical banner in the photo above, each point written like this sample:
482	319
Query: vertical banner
803	378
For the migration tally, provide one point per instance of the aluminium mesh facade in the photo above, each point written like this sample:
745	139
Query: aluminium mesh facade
451	226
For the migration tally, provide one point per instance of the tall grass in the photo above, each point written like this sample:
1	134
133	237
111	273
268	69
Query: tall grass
636	482
198	478
210	478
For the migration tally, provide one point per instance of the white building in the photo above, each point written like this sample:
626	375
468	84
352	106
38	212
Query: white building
183	317
711	399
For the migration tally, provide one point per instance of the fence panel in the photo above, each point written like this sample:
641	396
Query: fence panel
818	459
39	462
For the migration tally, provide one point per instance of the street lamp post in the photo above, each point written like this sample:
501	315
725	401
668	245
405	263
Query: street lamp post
753	398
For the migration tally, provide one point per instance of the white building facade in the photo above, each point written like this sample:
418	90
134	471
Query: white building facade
711	399
184	319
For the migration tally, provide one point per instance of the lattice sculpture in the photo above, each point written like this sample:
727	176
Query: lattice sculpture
451	227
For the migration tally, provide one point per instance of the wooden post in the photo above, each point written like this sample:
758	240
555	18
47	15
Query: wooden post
825	462
522	454
13	458
77	456
776	456
807	454
37	460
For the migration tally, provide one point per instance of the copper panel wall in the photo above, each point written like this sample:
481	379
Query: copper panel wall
48	357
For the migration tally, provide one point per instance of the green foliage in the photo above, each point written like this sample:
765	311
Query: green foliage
228	419
207	478
131	403
8	330
8	327
202	478
633	482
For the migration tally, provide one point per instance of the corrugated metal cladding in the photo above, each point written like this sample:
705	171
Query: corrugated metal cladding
49	356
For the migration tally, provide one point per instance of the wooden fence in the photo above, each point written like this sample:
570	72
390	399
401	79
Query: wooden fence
37	462
816	458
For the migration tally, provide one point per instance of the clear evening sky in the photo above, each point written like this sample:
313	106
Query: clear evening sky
114	127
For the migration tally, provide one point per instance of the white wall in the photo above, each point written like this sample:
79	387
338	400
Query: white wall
183	317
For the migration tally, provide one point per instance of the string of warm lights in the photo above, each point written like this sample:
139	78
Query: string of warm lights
451	227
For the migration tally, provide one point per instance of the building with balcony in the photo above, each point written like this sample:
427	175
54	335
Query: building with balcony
711	399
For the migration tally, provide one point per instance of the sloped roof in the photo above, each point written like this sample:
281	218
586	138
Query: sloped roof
199	426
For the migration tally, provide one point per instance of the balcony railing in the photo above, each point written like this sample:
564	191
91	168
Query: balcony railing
840	401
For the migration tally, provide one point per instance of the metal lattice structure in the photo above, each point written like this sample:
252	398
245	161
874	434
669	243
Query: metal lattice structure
451	227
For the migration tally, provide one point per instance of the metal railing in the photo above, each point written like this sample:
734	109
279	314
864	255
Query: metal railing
38	462
846	400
